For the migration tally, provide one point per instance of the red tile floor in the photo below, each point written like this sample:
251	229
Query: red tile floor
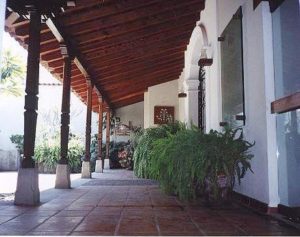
129	210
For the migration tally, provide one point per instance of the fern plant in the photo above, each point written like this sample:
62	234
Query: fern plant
145	140
176	163
187	162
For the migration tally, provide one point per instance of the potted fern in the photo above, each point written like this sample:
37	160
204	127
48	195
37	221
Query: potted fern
227	161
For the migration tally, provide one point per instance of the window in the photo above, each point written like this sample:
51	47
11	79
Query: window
286	38
232	81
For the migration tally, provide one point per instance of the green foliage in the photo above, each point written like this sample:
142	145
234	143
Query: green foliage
145	141
18	140
176	162
187	162
12	73
47	153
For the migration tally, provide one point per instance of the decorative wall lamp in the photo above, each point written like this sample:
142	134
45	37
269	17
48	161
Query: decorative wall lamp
204	60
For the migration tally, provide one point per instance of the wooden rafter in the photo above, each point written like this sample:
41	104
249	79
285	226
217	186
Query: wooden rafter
124	46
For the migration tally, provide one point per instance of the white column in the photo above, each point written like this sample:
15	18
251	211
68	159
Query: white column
191	106
270	96
2	22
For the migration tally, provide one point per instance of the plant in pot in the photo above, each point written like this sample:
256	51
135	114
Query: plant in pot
227	159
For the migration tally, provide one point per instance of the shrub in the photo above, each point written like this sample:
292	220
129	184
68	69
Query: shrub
18	140
145	141
48	153
188	162
176	163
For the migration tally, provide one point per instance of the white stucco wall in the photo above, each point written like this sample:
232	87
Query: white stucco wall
259	86
146	110
12	113
133	113
163	94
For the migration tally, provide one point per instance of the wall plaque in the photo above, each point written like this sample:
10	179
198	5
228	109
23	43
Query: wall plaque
163	114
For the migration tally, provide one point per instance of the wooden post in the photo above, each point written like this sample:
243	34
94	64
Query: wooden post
27	191
65	107
62	168
32	88
107	132
88	121
100	132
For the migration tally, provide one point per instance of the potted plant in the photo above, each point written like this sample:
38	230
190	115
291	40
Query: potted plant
227	161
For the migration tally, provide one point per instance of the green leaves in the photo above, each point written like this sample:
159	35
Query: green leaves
186	161
12	74
48	152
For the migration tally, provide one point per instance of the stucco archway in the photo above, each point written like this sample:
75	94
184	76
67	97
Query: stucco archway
198	42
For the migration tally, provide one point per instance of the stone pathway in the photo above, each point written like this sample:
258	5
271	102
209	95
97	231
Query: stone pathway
132	209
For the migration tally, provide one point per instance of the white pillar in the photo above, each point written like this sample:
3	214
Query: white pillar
2	23
191	106
270	96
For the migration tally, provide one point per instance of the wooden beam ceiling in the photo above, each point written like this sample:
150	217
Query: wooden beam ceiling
125	46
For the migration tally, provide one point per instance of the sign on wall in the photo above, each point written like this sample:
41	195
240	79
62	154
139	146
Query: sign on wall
163	114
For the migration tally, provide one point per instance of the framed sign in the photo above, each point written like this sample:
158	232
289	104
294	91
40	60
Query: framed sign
163	114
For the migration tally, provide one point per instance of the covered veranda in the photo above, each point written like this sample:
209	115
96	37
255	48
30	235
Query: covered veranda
108	53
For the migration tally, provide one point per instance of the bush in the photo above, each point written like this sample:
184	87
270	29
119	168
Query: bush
145	140
176	163
18	140
189	163
48	153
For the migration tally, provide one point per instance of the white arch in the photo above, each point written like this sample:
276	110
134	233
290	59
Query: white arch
198	41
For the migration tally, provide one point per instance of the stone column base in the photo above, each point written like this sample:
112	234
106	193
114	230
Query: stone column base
86	170
27	192
62	176
98	167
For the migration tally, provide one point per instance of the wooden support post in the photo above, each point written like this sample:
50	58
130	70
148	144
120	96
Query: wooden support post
62	168
27	191
100	159
65	107
107	132
88	121
86	167
32	88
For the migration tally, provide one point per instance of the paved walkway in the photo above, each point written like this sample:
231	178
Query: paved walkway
108	205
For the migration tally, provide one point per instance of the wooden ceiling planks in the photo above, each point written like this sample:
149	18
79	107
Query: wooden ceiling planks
126	45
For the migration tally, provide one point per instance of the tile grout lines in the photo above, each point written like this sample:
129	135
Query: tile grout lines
117	228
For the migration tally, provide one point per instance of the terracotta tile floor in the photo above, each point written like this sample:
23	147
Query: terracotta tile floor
130	210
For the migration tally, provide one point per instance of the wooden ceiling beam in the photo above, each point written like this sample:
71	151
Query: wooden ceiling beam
139	72
48	47
146	58
131	39
129	102
173	40
116	93
151	78
101	30
23	31
141	51
145	64
81	64
129	96
106	11
124	60
147	30
45	38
